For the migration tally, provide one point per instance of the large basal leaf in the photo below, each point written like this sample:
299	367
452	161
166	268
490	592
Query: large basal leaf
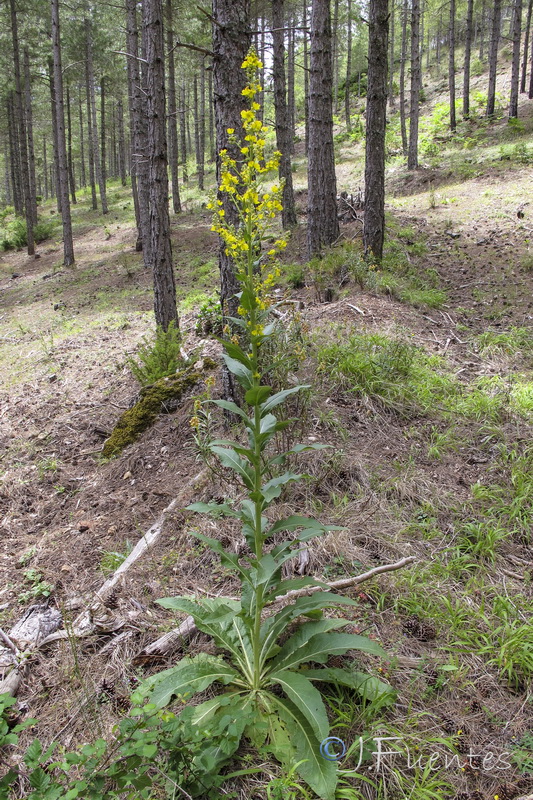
275	625
228	631
319	773
369	687
190	676
306	698
321	646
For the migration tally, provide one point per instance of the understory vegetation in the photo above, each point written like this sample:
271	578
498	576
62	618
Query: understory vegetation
416	375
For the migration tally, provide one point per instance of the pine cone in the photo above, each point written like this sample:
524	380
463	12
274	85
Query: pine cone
507	791
419	629
475	796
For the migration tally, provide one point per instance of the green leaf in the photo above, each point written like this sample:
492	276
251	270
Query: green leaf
275	625
307	699
234	351
227	558
243	451
296	521
230	459
257	395
190	676
298	448
319	773
241	372
368	686
227	405
279	397
230	635
213	509
321	647
272	489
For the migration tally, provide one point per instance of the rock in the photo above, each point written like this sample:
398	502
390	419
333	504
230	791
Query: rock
15	275
84	525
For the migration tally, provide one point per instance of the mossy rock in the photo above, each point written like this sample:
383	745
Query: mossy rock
160	397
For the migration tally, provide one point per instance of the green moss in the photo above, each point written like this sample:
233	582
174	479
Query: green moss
153	400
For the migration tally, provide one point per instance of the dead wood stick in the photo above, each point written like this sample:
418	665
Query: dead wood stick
169	640
511	574
8	643
353	581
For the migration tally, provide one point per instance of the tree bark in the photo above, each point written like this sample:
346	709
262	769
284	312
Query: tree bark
183	135
493	57
68	245
403	59
83	176
20	124
283	129
29	132
18	198
451	66
526	47
290	83
45	169
412	156
347	83
335	54
468	53
165	308
376	119
322	222
198	136
482	31
231	41
391	54
103	131
515	71
306	76
121	144
172	119
70	165
530	93
97	160
90	138
132	47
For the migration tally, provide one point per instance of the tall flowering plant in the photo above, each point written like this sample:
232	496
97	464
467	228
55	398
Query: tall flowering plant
270	696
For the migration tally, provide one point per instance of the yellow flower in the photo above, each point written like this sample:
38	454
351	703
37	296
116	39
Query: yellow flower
231	130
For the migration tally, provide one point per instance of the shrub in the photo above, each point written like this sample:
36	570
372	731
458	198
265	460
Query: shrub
157	357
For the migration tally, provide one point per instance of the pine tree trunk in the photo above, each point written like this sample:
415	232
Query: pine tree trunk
306	76
468	52
7	179
172	114
493	57
134	91
212	154
183	134
202	122
376	120
121	142
290	84
97	161
322	221
482	31
165	309
231	40
347	83
20	124
196	119
438	48
283	130
451	66
391	54
403	59
526	47
45	169
83	176
335	55
90	138
29	132
70	166
68	245
18	199
412	155
515	71
530	93
55	180
103	132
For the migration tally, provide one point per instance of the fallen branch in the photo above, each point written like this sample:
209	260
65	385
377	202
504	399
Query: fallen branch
166	643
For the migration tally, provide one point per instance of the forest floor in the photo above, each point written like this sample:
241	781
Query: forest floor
430	428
